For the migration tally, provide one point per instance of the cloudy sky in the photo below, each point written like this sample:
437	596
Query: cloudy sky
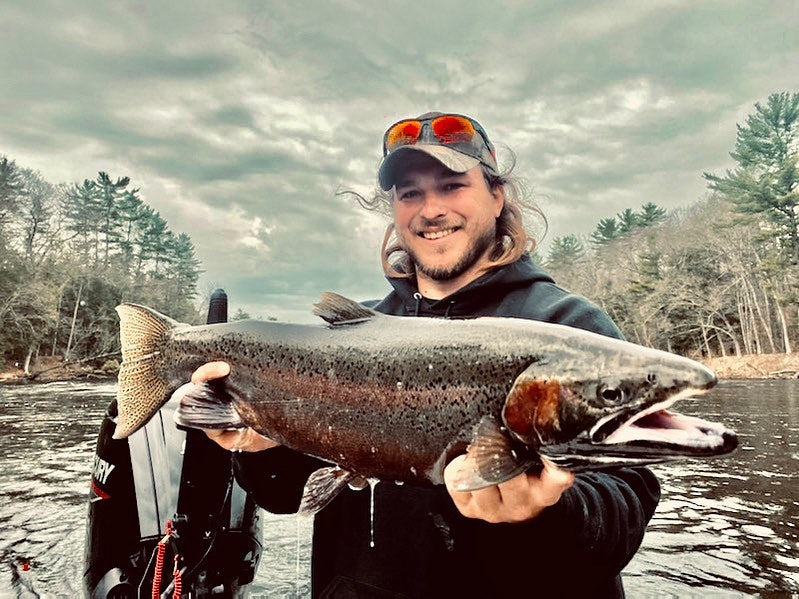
239	121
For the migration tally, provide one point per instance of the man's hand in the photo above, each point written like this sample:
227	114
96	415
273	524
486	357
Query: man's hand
245	439
516	500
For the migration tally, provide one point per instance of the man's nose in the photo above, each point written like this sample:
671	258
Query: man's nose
433	206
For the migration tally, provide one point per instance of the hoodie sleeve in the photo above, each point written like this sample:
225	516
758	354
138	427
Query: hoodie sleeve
275	478
594	530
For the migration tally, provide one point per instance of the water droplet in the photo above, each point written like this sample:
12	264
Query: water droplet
372	484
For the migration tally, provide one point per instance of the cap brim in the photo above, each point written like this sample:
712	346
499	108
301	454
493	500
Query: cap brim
452	159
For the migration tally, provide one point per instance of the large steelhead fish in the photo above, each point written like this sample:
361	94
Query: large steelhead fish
397	398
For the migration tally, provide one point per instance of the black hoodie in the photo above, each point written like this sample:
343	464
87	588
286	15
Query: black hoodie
423	547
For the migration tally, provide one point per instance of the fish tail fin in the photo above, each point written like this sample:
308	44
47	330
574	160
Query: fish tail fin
141	391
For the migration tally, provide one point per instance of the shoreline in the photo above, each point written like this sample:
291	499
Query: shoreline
755	366
48	373
752	366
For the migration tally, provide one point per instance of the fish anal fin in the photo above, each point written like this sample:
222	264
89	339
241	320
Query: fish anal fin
339	310
491	459
207	405
322	487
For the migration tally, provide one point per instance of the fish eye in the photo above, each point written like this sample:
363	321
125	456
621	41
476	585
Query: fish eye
610	394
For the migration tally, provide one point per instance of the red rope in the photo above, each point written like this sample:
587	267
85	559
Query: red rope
178	580
159	565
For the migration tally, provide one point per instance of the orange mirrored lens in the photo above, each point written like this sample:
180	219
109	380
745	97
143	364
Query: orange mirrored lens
451	129
406	132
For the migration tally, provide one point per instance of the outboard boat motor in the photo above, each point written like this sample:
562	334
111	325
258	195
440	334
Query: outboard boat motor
165	474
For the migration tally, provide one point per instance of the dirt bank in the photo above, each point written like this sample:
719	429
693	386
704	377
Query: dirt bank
762	366
49	369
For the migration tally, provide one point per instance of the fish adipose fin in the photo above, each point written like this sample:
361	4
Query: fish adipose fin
338	310
141	390
491	459
322	486
208	405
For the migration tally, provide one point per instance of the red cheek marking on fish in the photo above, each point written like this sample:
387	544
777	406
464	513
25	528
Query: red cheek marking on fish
532	406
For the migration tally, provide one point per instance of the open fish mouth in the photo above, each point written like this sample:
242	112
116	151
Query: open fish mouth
646	436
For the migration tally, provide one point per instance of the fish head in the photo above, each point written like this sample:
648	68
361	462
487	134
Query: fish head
607	405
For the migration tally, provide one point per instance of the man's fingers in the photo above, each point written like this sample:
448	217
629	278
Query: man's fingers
515	500
555	478
515	494
210	371
487	501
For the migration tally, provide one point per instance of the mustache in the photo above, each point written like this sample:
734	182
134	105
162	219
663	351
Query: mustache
428	223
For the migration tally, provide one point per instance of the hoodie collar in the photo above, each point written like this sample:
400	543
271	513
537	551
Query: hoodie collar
470	298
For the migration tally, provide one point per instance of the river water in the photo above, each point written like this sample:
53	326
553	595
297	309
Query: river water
727	527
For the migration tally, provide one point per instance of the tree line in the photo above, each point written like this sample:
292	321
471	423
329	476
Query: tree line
70	253
716	278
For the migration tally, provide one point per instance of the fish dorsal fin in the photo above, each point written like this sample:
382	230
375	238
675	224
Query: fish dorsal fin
339	310
491	459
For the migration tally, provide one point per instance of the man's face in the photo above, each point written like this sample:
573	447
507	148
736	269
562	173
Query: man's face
445	221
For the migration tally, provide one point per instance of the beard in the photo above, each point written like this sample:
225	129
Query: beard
468	259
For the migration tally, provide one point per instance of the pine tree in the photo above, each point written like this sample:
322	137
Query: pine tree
628	220
130	214
650	214
185	268
606	231
766	180
565	251
11	189
81	211
109	194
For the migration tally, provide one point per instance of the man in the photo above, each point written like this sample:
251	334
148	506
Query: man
462	252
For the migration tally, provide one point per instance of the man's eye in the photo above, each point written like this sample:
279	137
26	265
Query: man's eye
452	186
408	195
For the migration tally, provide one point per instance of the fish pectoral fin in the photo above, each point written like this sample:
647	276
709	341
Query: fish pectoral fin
491	459
207	405
322	486
339	310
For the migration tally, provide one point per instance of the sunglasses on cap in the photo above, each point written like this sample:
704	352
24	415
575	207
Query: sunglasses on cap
454	131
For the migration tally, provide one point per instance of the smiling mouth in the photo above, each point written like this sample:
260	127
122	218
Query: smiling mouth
439	234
